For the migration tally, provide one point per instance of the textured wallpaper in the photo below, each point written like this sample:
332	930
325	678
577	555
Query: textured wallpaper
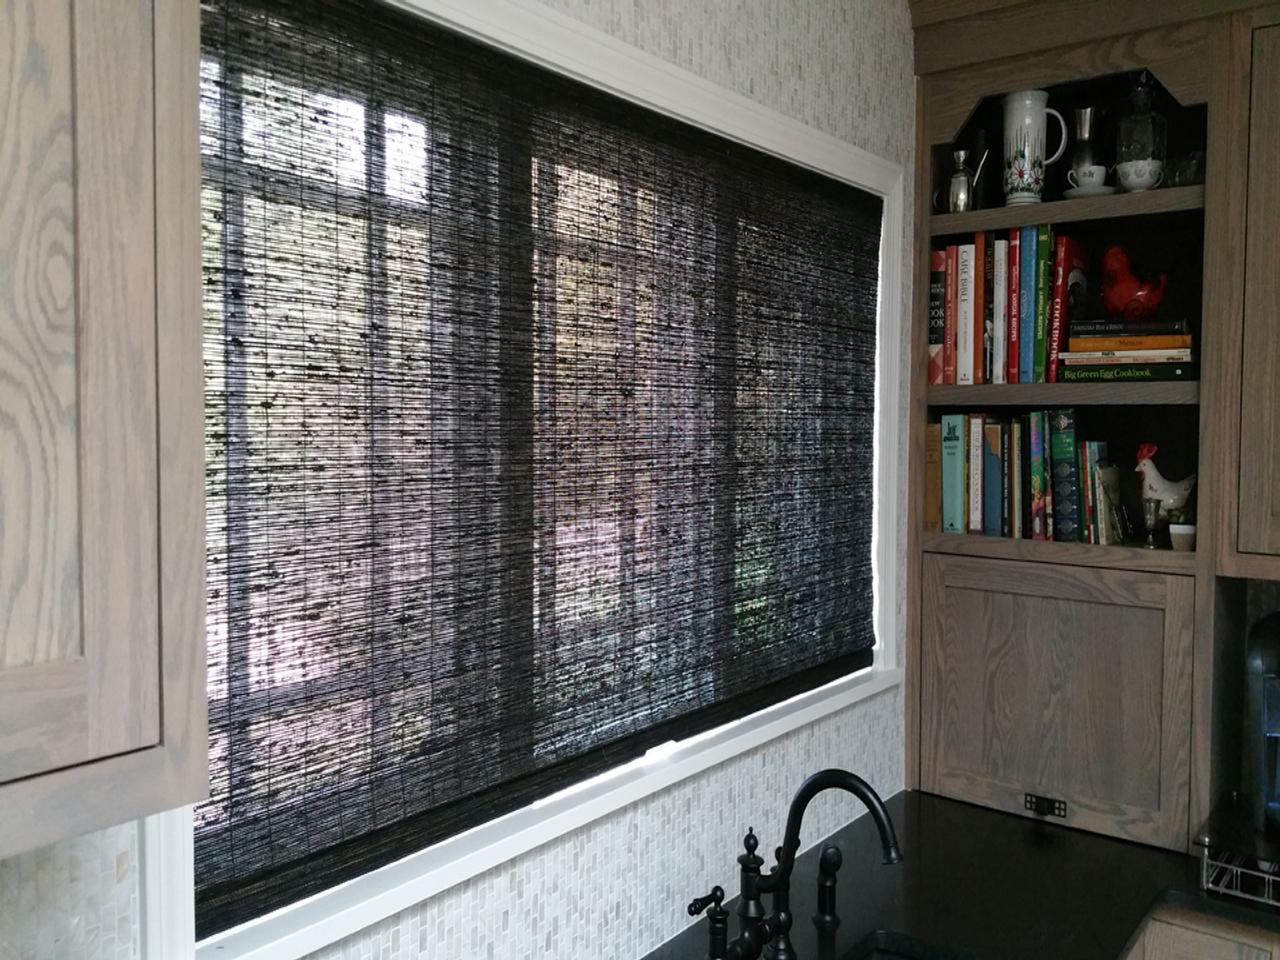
617	888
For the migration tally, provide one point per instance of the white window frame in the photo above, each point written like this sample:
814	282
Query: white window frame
545	37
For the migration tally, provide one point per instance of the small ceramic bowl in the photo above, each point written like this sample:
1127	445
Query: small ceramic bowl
1182	536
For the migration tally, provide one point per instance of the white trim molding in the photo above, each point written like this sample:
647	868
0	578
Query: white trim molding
167	890
535	33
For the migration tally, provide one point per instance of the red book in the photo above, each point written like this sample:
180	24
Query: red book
949	317
1068	270
1011	339
979	305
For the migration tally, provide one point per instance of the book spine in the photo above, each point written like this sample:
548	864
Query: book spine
1129	328
1016	489
1027	306
1024	504
1011	349
1057	309
949	316
1085	451
1065	463
1000	312
953	492
1167	341
1128	356
977	462
964	315
933	477
1006	489
1109	372
937	312
984	315
1044	257
992	498
1038	477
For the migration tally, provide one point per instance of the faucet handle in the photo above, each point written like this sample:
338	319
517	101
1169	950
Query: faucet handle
828	865
712	900
717	921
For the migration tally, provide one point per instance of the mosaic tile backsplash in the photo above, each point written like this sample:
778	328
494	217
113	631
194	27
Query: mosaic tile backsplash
615	889
76	900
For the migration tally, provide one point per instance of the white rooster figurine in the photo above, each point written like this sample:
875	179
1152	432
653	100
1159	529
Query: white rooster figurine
1172	496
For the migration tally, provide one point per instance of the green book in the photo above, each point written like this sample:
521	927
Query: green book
953	478
1044	284
1106	373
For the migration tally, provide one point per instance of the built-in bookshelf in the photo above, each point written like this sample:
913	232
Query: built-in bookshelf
1026	636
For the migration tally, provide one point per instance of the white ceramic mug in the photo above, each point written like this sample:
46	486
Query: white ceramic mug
1137	175
1088	176
1025	120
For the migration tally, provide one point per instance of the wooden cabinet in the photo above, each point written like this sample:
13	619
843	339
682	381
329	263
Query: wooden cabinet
1071	683
1259	494
1166	941
1172	933
101	460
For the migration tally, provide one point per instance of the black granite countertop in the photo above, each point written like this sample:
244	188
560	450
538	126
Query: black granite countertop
977	884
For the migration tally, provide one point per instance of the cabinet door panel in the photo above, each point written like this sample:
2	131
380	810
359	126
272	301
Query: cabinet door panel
1165	941
1259	509
1067	682
79	625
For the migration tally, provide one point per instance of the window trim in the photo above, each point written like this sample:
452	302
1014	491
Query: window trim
554	40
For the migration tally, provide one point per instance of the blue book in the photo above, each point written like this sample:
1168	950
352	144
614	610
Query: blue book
993	479
953	478
1027	305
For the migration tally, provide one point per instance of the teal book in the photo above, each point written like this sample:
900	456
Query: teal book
993	479
1026	304
953	478
1064	461
1044	285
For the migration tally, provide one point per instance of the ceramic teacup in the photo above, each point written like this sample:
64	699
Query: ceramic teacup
1089	176
1135	175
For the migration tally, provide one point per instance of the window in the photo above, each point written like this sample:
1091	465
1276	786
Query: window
538	428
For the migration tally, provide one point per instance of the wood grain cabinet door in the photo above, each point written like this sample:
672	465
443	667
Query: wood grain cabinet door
1259	507
1166	941
1070	683
98	276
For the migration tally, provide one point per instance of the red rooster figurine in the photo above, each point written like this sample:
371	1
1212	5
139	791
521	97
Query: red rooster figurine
1123	294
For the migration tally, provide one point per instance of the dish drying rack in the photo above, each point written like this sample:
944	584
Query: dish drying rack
1236	860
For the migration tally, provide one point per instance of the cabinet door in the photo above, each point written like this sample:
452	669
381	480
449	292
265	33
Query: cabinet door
1071	683
79	673
1259	507
1165	941
100	607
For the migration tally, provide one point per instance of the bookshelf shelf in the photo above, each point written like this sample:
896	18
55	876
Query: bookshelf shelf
1174	392
1071	554
1170	200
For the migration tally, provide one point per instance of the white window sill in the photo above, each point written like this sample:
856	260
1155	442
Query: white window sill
328	917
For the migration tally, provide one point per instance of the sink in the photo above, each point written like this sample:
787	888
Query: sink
886	945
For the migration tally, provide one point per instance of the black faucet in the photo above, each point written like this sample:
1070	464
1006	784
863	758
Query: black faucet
771	934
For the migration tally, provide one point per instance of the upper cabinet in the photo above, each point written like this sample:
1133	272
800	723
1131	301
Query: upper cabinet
101	461
1259	495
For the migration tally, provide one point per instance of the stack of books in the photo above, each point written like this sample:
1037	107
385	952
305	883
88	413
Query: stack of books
1105	350
1012	307
1029	477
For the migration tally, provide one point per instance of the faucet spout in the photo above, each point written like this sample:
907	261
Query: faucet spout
779	878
